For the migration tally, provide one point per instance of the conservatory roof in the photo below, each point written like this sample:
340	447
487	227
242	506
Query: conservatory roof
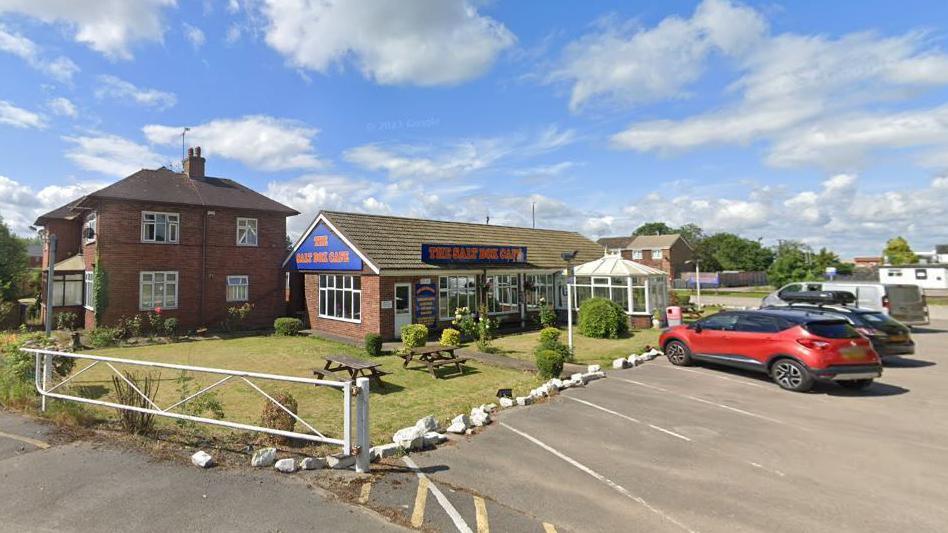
615	265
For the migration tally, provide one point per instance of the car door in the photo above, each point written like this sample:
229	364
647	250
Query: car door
751	342
711	338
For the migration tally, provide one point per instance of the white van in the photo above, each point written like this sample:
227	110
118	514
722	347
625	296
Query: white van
905	303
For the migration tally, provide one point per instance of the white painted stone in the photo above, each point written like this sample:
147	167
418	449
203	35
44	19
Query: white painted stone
264	457
463	419
577	378
202	459
470	431
426	424
314	463
593	368
433	438
385	450
507	402
524	400
340	462
633	360
480	418
642	359
287	466
456	428
556	382
411	438
566	384
490	408
619	363
592	376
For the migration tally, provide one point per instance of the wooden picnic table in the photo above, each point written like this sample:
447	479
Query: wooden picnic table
434	357
352	366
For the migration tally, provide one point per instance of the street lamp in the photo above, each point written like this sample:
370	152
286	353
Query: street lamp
568	257
697	264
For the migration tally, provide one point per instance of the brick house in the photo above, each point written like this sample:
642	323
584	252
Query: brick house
664	252
354	274
187	243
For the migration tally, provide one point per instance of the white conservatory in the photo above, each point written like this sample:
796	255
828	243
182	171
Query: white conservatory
638	288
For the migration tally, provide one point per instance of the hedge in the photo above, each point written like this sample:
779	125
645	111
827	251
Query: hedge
602	319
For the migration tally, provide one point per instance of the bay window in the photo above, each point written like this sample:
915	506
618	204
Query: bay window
627	292
455	292
158	289
340	297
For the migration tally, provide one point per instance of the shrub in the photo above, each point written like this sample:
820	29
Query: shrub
101	337
549	337
485	330
171	327
6	312
549	363
465	322
450	337
274	417
373	344
548	318
602	319
237	316
207	405
414	335
156	322
287	326
66	320
135	422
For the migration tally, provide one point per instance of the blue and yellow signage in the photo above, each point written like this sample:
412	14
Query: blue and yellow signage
426	304
472	254
324	250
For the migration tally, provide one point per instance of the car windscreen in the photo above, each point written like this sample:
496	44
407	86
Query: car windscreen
878	320
832	329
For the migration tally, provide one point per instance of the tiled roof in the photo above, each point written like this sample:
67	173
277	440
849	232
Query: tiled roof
614	243
64	212
166	186
650	242
395	242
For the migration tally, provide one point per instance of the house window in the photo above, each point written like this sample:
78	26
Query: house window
636	254
340	297
89	228
618	289
456	292
67	289
238	288
158	289
538	287
503	294
89	299
160	227
921	273
246	232
656	254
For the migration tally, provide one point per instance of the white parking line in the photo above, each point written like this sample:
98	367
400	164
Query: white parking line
702	400
608	482
712	375
629	418
445	503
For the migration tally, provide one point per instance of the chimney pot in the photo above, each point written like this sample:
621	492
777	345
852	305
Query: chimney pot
190	152
194	163
197	151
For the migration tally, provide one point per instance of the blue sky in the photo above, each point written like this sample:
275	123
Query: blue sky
823	122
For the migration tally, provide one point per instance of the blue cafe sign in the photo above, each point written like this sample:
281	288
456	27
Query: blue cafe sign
324	250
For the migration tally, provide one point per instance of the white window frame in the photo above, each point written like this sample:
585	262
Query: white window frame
165	283
504	290
467	289
327	283
543	286
176	224
657	254
235	282
90	222
88	296
636	254
255	231
629	285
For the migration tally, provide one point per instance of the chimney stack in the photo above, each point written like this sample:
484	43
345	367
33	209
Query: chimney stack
194	164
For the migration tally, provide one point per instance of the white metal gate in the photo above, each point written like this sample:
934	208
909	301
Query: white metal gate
358	390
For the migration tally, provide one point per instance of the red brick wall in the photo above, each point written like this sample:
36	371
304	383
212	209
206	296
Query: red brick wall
672	261
67	234
355	330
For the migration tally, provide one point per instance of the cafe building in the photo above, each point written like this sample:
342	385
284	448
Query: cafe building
351	274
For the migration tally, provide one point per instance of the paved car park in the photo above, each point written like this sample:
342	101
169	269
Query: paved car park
660	448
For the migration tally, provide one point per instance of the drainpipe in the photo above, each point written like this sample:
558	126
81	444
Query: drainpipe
49	284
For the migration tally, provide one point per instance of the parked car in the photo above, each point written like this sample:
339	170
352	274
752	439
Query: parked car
905	303
889	337
795	347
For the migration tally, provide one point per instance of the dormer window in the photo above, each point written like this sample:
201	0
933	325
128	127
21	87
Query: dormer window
160	227
246	231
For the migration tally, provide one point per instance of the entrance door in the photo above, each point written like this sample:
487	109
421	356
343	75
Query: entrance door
402	306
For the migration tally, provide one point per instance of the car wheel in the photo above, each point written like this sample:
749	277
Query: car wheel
677	353
791	375
855	384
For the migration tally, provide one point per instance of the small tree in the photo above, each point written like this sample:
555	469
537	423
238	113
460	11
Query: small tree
898	252
13	262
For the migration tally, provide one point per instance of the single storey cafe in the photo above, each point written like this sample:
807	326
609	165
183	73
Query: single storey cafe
351	274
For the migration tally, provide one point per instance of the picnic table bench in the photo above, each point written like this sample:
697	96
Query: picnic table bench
352	366
434	357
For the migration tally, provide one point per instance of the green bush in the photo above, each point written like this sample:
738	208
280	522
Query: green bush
373	344
287	326
101	337
602	319
171	327
450	337
548	316
414	335
66	320
549	337
549	363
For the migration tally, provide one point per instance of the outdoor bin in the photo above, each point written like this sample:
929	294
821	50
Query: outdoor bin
673	315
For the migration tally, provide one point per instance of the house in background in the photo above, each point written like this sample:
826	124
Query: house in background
664	252
189	244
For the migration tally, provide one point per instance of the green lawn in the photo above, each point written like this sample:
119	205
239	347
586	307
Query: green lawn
409	395
587	350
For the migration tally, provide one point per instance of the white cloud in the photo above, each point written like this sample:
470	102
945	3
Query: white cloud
119	89
20	204
258	141
62	106
194	35
60	68
111	155
107	26
19	117
312	193
416	42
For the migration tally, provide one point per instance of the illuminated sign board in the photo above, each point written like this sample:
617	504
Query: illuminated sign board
472	254
324	250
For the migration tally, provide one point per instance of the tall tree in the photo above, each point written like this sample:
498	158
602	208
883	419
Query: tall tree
793	262
654	228
728	251
898	252
13	262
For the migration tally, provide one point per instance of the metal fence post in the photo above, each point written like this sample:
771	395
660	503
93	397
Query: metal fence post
47	376
362	426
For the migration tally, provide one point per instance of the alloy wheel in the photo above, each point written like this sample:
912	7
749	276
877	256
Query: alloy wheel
788	375
676	352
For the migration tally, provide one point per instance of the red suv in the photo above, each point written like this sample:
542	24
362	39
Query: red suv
794	347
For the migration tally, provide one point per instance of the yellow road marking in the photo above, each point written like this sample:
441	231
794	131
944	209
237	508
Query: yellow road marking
364	495
418	515
548	527
38	443
480	509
